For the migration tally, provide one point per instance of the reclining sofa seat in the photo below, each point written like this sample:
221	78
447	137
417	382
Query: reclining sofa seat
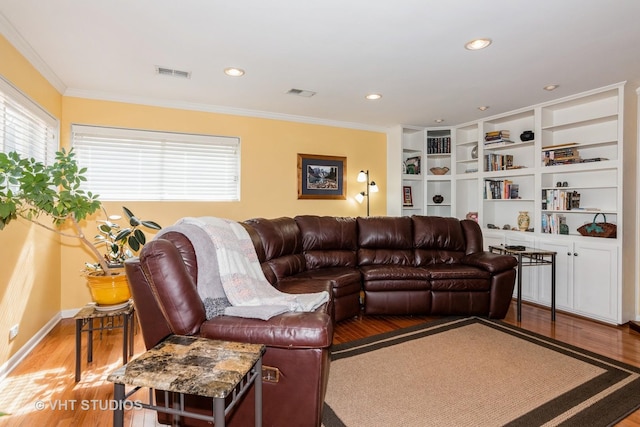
163	285
431	265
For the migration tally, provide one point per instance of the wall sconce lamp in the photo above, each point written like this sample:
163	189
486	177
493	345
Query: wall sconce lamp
363	176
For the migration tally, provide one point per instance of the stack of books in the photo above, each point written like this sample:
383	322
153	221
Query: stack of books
497	136
562	156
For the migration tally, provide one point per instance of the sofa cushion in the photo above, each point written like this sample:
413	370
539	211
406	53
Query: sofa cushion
344	280
456	271
288	330
394	272
328	241
282	245
437	240
385	240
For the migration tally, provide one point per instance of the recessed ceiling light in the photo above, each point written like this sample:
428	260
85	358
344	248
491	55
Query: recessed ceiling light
373	96
234	72
483	107
477	44
551	87
439	120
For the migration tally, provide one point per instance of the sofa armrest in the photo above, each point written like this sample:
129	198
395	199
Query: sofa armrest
296	330
493	263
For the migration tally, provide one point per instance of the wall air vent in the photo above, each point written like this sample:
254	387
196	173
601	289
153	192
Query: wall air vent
300	92
164	71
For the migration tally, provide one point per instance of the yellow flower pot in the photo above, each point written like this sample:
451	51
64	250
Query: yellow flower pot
109	290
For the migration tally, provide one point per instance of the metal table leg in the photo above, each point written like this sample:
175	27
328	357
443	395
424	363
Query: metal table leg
125	339
258	393
553	287
519	299
78	348
118	413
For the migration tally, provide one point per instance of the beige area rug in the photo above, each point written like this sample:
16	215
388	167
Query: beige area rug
474	372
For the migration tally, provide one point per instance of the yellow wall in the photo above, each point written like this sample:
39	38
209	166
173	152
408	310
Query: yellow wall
30	256
269	169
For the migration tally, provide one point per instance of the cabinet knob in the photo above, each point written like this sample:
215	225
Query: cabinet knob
575	254
569	253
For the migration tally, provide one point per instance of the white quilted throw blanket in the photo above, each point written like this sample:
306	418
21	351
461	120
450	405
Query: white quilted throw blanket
241	275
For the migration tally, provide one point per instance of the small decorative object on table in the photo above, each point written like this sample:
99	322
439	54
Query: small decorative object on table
413	165
439	170
523	220
599	229
438	199
407	200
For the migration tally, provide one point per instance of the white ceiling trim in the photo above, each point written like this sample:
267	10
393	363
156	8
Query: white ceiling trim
12	35
207	108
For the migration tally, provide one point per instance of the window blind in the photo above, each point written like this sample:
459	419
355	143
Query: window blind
25	127
128	164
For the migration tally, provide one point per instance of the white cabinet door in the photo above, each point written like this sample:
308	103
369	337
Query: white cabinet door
595	280
564	274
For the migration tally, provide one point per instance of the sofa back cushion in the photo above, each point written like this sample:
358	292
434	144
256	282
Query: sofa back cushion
282	246
472	236
385	240
437	240
328	241
164	292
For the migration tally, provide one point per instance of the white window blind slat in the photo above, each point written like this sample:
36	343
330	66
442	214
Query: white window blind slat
127	164
25	127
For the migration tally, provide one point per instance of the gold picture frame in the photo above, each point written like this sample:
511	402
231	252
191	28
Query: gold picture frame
322	177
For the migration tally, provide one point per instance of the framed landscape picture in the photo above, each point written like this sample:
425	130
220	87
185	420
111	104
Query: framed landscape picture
321	177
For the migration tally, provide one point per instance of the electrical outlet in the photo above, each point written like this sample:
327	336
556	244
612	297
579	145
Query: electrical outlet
13	332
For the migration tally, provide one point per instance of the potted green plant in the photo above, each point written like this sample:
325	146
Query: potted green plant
31	190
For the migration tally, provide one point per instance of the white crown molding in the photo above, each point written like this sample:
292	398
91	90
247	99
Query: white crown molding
14	37
181	105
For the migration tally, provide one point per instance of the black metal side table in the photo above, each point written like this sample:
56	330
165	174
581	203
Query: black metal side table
531	257
118	317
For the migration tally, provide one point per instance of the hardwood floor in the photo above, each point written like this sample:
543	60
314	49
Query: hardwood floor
47	374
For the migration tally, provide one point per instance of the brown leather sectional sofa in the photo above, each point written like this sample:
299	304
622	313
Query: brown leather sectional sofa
401	265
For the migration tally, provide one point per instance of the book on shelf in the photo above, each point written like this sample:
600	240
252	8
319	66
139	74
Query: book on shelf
498	162
560	200
554	223
439	145
503	189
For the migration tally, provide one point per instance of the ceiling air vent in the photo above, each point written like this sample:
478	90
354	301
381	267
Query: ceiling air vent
300	92
164	71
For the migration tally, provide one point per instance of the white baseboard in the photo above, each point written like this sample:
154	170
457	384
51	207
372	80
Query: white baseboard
14	360
66	314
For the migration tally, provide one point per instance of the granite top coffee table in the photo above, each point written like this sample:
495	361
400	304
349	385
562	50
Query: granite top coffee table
222	370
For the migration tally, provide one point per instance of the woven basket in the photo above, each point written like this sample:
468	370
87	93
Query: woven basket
599	229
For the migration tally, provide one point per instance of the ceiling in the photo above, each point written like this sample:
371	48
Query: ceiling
410	51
